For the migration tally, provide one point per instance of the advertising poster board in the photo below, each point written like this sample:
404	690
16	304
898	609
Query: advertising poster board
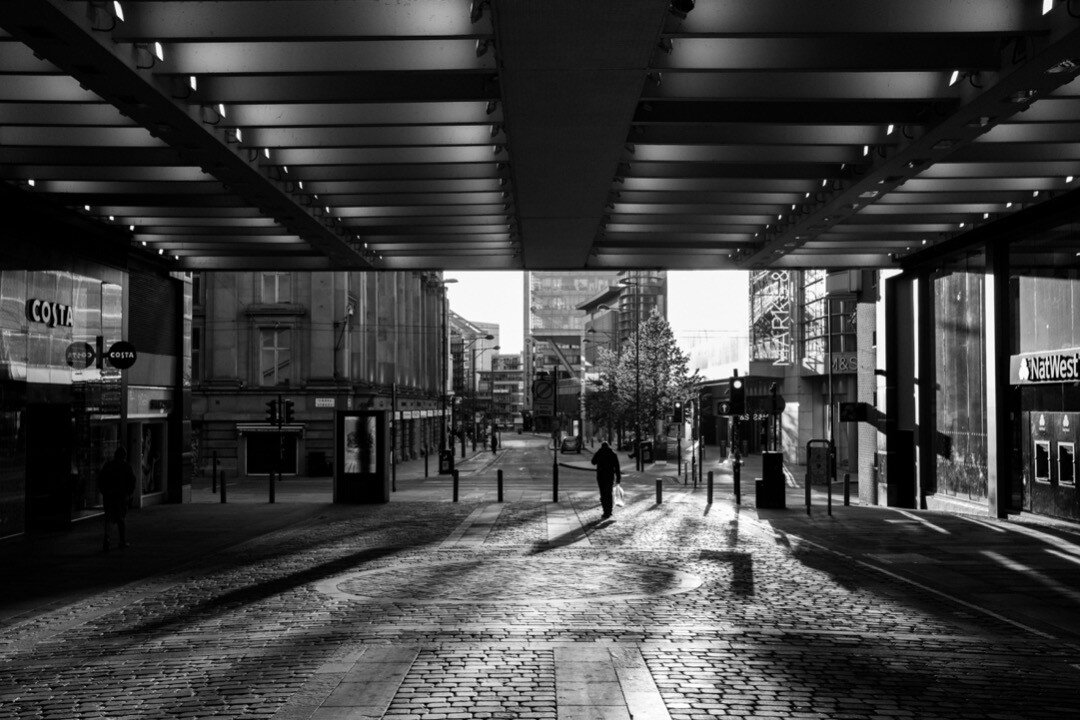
362	456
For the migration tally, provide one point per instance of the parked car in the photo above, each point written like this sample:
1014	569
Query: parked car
570	444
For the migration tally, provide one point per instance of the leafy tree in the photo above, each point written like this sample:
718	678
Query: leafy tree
662	377
602	402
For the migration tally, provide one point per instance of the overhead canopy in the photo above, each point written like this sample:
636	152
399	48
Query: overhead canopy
396	134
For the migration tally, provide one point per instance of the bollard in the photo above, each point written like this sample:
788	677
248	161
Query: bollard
710	488
500	482
271	477
659	491
847	489
454	472
828	494
736	471
693	466
213	476
807	484
554	482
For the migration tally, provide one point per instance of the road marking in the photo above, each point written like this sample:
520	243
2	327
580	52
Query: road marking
605	683
982	523
925	522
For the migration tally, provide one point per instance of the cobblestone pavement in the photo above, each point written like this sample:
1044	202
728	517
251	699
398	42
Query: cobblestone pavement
442	611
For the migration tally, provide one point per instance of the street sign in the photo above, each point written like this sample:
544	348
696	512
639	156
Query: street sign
121	354
542	389
80	355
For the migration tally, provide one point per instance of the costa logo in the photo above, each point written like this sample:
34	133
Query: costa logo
48	313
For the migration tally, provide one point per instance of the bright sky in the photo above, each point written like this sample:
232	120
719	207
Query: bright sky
700	302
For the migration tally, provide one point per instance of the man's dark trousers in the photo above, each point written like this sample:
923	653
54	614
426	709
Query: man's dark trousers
606	501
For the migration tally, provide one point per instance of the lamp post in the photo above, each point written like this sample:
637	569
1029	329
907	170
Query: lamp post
445	355
475	373
638	464
472	383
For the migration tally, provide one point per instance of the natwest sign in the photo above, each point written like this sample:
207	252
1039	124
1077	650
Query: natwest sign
1052	366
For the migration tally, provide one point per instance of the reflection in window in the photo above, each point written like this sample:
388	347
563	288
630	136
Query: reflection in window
275	355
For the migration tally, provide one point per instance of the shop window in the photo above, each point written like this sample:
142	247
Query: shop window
275	355
151	470
263	449
1066	460
276	287
1042	461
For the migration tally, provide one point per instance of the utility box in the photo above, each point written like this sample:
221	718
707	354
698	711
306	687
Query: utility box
446	462
362	456
770	492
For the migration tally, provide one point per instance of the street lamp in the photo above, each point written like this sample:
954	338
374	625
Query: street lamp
445	355
472	370
475	373
638	464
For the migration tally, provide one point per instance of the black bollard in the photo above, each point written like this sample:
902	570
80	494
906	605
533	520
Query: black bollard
807	483
500	482
829	495
847	489
659	491
455	474
736	472
427	453
710	487
271	476
554	482
213	476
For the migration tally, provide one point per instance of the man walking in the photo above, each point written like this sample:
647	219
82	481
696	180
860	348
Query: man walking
607	473
116	483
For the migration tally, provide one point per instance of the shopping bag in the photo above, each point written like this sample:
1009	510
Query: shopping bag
620	496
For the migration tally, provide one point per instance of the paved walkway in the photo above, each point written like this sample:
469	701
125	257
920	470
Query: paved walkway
425	609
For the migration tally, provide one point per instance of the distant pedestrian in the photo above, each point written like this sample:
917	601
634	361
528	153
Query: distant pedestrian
607	474
116	483
494	442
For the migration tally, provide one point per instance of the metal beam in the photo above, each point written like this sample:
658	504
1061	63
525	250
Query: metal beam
62	34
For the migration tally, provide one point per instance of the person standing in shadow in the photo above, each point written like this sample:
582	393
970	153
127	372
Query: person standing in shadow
116	483
607	474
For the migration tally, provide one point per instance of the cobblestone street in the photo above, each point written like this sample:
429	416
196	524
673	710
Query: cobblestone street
430	610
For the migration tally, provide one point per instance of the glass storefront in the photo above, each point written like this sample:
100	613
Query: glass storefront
60	401
959	343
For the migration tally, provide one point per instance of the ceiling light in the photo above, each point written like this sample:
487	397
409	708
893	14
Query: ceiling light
963	224
159	52
793	207
161	251
300	183
924	241
865	150
221	109
112	218
266	153
31	182
86	208
986	216
327	208
1008	205
954	77
365	245
807	195
239	135
132	229
779	217
144	243
193	82
1035	194
1069	179
176	257
824	182
889	130
118	11
1048	5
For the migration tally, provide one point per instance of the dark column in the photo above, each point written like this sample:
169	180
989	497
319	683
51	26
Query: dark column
998	323
926	432
899	391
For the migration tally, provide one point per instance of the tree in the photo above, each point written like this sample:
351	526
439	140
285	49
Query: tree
664	374
602	403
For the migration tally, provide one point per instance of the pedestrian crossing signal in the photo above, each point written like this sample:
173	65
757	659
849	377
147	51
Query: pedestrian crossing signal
737	396
677	412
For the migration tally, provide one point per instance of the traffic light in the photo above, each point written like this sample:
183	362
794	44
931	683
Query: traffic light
677	412
288	411
271	412
737	396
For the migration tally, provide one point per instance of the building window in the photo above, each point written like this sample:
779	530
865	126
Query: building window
275	355
196	347
197	291
276	287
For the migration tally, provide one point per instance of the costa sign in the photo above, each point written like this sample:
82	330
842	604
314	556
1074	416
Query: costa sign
1045	367
48	313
